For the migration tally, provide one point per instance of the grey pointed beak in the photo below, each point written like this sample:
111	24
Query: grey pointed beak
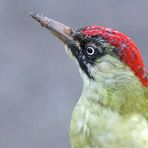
61	31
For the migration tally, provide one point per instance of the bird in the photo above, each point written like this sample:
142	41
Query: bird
112	111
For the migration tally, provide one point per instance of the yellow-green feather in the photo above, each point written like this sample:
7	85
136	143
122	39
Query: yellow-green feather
112	111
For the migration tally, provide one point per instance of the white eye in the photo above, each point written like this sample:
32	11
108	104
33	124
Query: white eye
90	50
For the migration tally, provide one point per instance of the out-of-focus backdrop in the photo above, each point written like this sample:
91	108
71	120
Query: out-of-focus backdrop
39	84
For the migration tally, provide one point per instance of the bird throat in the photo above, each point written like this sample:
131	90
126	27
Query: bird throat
103	103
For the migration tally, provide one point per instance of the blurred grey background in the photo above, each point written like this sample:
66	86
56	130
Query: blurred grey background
39	84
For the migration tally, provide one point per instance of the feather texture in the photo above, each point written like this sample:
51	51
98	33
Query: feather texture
112	111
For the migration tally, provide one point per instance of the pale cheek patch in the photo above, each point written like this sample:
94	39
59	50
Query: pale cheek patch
106	66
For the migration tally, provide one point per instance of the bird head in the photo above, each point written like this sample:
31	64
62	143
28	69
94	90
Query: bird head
98	51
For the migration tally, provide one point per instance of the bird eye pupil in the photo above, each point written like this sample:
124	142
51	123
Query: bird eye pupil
90	50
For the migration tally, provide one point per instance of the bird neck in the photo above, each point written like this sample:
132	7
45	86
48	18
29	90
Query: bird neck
111	88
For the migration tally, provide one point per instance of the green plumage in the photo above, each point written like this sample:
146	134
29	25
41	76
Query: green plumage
112	111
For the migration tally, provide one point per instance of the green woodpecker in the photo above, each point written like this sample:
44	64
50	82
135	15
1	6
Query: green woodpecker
112	111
